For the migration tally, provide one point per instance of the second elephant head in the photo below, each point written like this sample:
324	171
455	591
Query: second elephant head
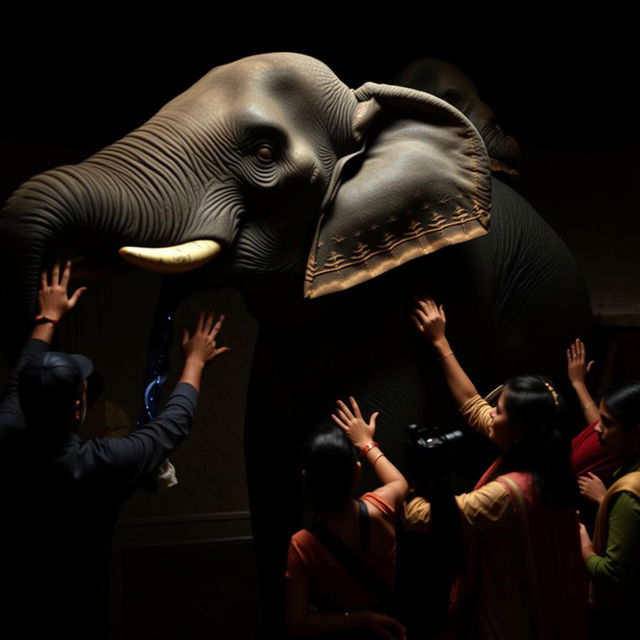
269	165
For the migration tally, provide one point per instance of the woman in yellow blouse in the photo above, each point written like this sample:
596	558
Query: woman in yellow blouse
523	576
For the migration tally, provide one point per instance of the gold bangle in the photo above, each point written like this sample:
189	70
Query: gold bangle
446	355
373	464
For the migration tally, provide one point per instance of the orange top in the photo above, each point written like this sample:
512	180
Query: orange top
332	585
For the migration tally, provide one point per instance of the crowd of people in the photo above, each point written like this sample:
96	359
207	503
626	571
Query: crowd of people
530	568
536	562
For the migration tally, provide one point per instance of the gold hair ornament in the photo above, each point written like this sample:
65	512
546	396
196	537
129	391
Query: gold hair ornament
553	393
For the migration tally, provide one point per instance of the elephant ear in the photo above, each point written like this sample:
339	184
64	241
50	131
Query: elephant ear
421	182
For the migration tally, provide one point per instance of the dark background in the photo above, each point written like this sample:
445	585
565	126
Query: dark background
561	79
556	73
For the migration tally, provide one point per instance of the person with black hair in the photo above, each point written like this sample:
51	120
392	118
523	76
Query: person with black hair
60	495
613	558
593	466
341	571
522	576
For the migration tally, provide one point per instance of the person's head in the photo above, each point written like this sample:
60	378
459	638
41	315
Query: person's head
619	425
330	469
528	423
525	408
52	390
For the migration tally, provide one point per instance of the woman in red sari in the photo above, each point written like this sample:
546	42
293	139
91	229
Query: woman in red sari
522	576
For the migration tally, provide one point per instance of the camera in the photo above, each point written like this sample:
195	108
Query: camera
431	452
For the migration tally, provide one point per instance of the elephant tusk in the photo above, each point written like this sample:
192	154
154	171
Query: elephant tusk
176	259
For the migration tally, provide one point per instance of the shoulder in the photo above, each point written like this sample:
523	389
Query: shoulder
626	501
384	507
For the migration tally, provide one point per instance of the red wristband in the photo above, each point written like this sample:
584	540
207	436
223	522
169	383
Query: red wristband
367	448
42	319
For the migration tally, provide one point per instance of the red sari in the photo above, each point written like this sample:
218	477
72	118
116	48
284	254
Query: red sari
528	584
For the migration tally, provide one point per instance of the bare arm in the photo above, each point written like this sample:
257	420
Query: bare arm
577	369
431	321
361	434
200	348
53	301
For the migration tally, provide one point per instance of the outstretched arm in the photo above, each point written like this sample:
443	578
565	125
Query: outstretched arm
577	369
361	434
129	459
53	305
430	320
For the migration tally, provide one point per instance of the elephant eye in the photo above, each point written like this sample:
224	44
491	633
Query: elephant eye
264	153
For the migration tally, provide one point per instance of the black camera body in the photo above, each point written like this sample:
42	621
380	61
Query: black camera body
431	452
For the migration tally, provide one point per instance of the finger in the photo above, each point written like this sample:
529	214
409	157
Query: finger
208	322
346	418
343	407
185	337
431	306
221	350
43	279
55	274
422	316
356	408
200	321
444	317
417	322
217	326
76	295
372	420
589	365
339	422
423	305
66	274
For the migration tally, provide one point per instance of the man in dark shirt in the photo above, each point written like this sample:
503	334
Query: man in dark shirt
60	495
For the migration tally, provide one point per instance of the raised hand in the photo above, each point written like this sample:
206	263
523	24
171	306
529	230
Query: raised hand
53	300
577	365
592	487
350	420
201	346
429	319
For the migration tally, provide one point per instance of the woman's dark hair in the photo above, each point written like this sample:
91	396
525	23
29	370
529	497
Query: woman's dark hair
329	462
623	403
533	404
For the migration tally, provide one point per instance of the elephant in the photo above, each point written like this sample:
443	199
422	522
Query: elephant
447	81
329	208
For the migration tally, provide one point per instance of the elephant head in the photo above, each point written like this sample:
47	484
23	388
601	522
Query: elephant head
270	165
448	82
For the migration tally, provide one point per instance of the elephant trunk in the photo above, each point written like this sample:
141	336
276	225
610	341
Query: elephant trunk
114	198
503	150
